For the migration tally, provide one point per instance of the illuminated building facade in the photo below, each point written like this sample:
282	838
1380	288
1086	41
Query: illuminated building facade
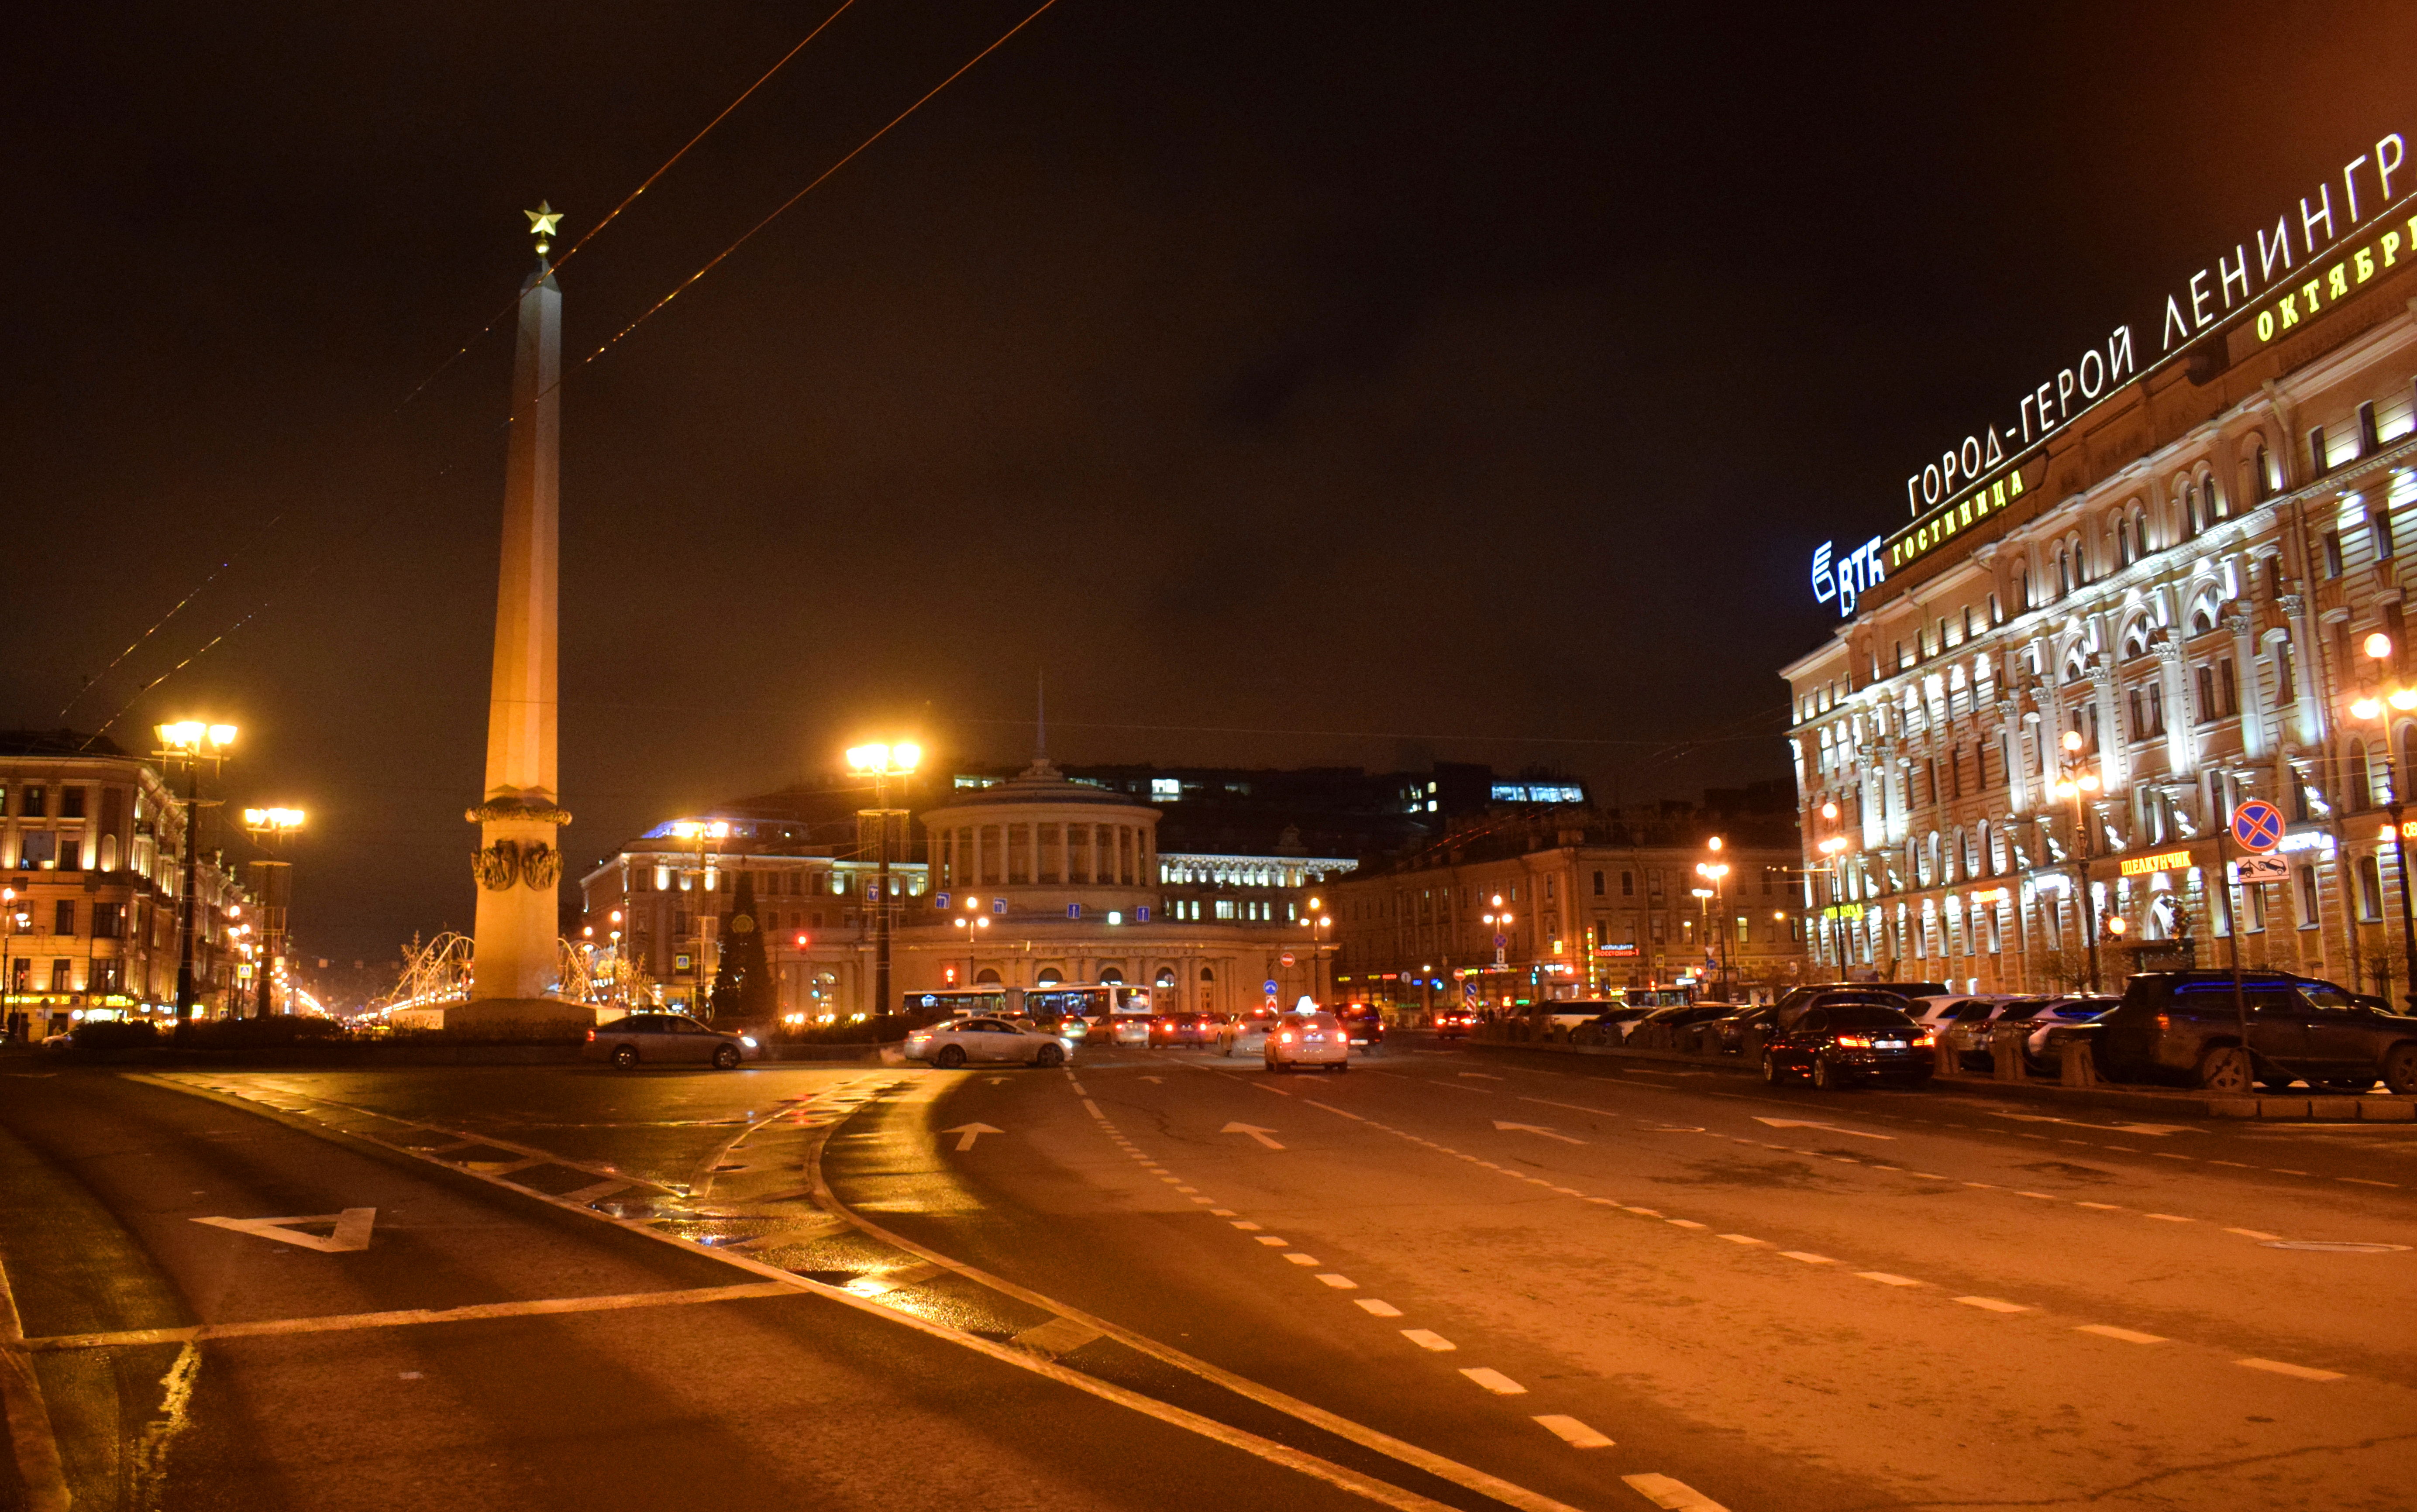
2069	675
92	845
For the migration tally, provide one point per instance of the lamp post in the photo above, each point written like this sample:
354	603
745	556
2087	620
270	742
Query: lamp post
2379	711
191	742
8	927
272	889
1499	921
1317	921
703	831
1716	872
973	923
2073	786
882	763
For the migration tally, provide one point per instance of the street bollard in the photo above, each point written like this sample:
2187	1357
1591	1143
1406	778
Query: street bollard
2006	1051
1948	1064
2080	1067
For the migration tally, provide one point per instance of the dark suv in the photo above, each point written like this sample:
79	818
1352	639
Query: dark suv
2185	1026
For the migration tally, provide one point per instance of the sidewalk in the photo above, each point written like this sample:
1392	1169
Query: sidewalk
2173	1102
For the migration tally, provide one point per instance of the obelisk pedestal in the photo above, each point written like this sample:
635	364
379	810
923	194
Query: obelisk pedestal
515	967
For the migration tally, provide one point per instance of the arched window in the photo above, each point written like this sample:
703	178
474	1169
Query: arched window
2136	638
2265	473
2360	795
2209	498
1109	974
2202	617
2140	530
1049	977
1165	977
2023	584
2063	572
108	858
986	976
2190	511
2124	552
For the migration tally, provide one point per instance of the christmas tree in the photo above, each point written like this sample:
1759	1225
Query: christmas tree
743	987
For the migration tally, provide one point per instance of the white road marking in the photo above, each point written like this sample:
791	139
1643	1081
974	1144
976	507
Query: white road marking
1993	1305
1538	1128
1221	1212
1572	1432
1808	1257
1340	1283
2169	1217
1684	1223
1254	1131
1271	1239
1743	1239
1244	1223
1888	1278
1672	1495
2299	1372
352	1229
1641	1212
1381	1309
2102	1207
967	1133
1058	1335
2362	1181
1481	1076
1354	1117
1495	1381
585	1194
1826	1128
1298	1258
2254	1234
2128	1335
1427	1338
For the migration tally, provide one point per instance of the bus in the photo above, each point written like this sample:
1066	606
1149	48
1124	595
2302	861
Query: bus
1112	1011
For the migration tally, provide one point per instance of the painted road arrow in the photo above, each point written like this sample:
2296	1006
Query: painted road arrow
1538	1128
967	1133
1828	1128
352	1229
1254	1131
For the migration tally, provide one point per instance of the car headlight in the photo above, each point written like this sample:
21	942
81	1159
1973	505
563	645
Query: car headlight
748	1040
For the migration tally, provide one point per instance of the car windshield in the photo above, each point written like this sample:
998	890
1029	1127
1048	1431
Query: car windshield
2330	998
2018	1010
2081	1010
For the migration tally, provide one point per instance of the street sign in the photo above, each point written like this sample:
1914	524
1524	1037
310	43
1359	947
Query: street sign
2261	869
2256	825
1272	986
1285	958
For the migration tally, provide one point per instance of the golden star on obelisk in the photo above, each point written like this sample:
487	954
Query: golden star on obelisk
543	218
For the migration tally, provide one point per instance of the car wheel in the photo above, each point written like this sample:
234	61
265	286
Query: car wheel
725	1058
626	1057
2226	1068
2400	1069
1824	1076
1051	1057
950	1058
1342	1066
1769	1069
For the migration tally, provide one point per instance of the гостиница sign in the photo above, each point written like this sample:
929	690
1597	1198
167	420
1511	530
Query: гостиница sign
2276	277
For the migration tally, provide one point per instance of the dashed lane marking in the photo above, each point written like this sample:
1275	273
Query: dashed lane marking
1888	1278
2169	1217
1381	1309
1572	1432
2297	1372
1685	1223
1743	1239
1340	1283
1427	1338
2254	1234
2102	1207
1993	1305
1495	1381
2128	1335
1672	1495
1808	1257
1298	1258
1271	1239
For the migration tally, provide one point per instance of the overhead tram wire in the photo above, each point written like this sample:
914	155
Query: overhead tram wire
658	304
627	200
716	260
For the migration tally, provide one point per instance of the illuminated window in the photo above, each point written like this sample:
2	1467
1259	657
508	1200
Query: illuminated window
2333	553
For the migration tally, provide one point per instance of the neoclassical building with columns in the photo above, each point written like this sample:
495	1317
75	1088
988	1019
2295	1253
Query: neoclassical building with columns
1040	879
2183	581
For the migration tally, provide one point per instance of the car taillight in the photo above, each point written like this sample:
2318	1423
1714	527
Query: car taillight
1284	1038
1926	1038
1855	1041
591	1037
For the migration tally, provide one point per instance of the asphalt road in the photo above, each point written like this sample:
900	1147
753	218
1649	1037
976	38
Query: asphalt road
1448	1277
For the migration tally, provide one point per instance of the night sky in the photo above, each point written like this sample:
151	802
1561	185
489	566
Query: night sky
1296	384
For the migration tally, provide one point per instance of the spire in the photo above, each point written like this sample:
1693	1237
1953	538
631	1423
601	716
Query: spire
1040	716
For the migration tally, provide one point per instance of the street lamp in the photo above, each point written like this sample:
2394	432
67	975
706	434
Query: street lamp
8	917
2379	711
973	924
1315	921
193	742
703	831
1716	872
273	888
881	763
2073	787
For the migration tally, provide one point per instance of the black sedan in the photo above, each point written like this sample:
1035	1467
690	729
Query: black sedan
1838	1044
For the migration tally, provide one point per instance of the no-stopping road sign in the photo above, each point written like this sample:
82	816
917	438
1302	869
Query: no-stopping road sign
2256	825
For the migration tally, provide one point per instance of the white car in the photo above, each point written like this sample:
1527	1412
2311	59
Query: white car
1309	1039
1129	1029
963	1041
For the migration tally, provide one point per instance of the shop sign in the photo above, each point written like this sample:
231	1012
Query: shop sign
2140	865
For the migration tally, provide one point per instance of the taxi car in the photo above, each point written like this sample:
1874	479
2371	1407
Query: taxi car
983	1037
1300	1039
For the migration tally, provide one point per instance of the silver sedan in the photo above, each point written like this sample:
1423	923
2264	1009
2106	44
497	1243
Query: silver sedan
963	1041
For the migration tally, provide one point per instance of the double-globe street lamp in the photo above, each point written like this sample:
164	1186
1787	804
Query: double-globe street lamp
1318	922
2074	786
272	892
881	763
973	923
193	742
1716	872
705	832
1833	929
2378	709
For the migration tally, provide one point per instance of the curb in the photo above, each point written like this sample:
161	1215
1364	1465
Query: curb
2373	1107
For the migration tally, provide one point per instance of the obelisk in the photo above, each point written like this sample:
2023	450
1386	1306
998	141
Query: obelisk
518	863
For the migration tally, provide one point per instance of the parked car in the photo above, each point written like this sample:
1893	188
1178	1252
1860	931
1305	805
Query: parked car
1363	1022
1185	1029
1800	998
636	1039
1935	1013
2186	1026
961	1041
1967	1032
1611	1026
1454	1024
2055	1020
1244	1034
1728	1034
1838	1044
1661	1028
1566	1014
1308	1040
